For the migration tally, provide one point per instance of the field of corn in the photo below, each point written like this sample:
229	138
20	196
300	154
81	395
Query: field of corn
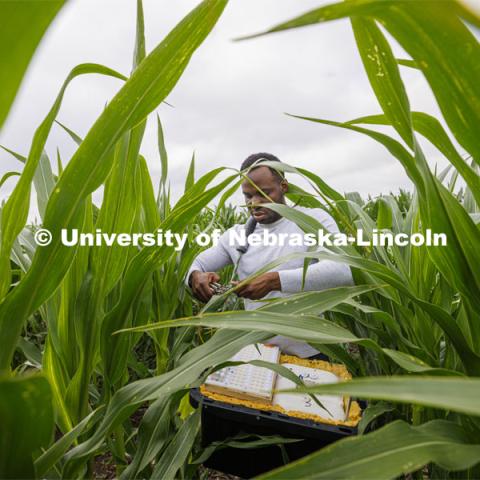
77	396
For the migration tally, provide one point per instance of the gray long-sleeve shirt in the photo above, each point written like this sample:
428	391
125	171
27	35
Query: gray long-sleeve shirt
320	274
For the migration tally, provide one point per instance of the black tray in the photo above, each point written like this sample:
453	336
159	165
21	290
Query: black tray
222	420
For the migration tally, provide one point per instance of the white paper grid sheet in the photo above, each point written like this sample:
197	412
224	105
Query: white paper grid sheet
248	379
301	402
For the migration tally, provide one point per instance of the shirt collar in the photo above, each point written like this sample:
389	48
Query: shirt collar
271	225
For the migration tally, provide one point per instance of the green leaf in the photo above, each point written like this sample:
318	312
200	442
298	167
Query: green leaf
50	457
190	179
178	450
44	182
153	433
301	197
327	13
23	26
31	351
387	453
384	217
307	326
242	441
407	62
76	138
25	402
384	76
372	412
275	318
43	179
413	364
449	393
140	50
7	176
163	153
322	185
151	216
316	302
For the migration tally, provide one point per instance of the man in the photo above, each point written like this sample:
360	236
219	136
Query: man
284	279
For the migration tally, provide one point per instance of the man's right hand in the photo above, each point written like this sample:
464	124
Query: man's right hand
200	283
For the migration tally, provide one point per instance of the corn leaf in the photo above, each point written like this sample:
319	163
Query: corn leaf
190	178
178	450
373	411
450	393
24	402
387	453
153	433
19	38
50	457
384	76
406	62
163	154
7	175
307	326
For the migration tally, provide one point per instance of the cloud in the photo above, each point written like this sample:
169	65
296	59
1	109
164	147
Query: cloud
230	101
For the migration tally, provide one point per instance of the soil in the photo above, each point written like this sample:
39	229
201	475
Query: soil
216	475
104	467
105	470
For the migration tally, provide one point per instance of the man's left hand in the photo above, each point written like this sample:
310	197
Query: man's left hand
260	286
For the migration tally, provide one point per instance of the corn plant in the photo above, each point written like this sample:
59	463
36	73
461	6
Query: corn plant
75	290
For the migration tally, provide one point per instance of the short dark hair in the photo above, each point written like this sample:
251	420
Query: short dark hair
257	158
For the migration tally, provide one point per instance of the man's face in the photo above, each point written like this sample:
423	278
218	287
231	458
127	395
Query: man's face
271	186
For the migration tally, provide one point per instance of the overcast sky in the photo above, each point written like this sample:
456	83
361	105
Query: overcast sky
229	102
